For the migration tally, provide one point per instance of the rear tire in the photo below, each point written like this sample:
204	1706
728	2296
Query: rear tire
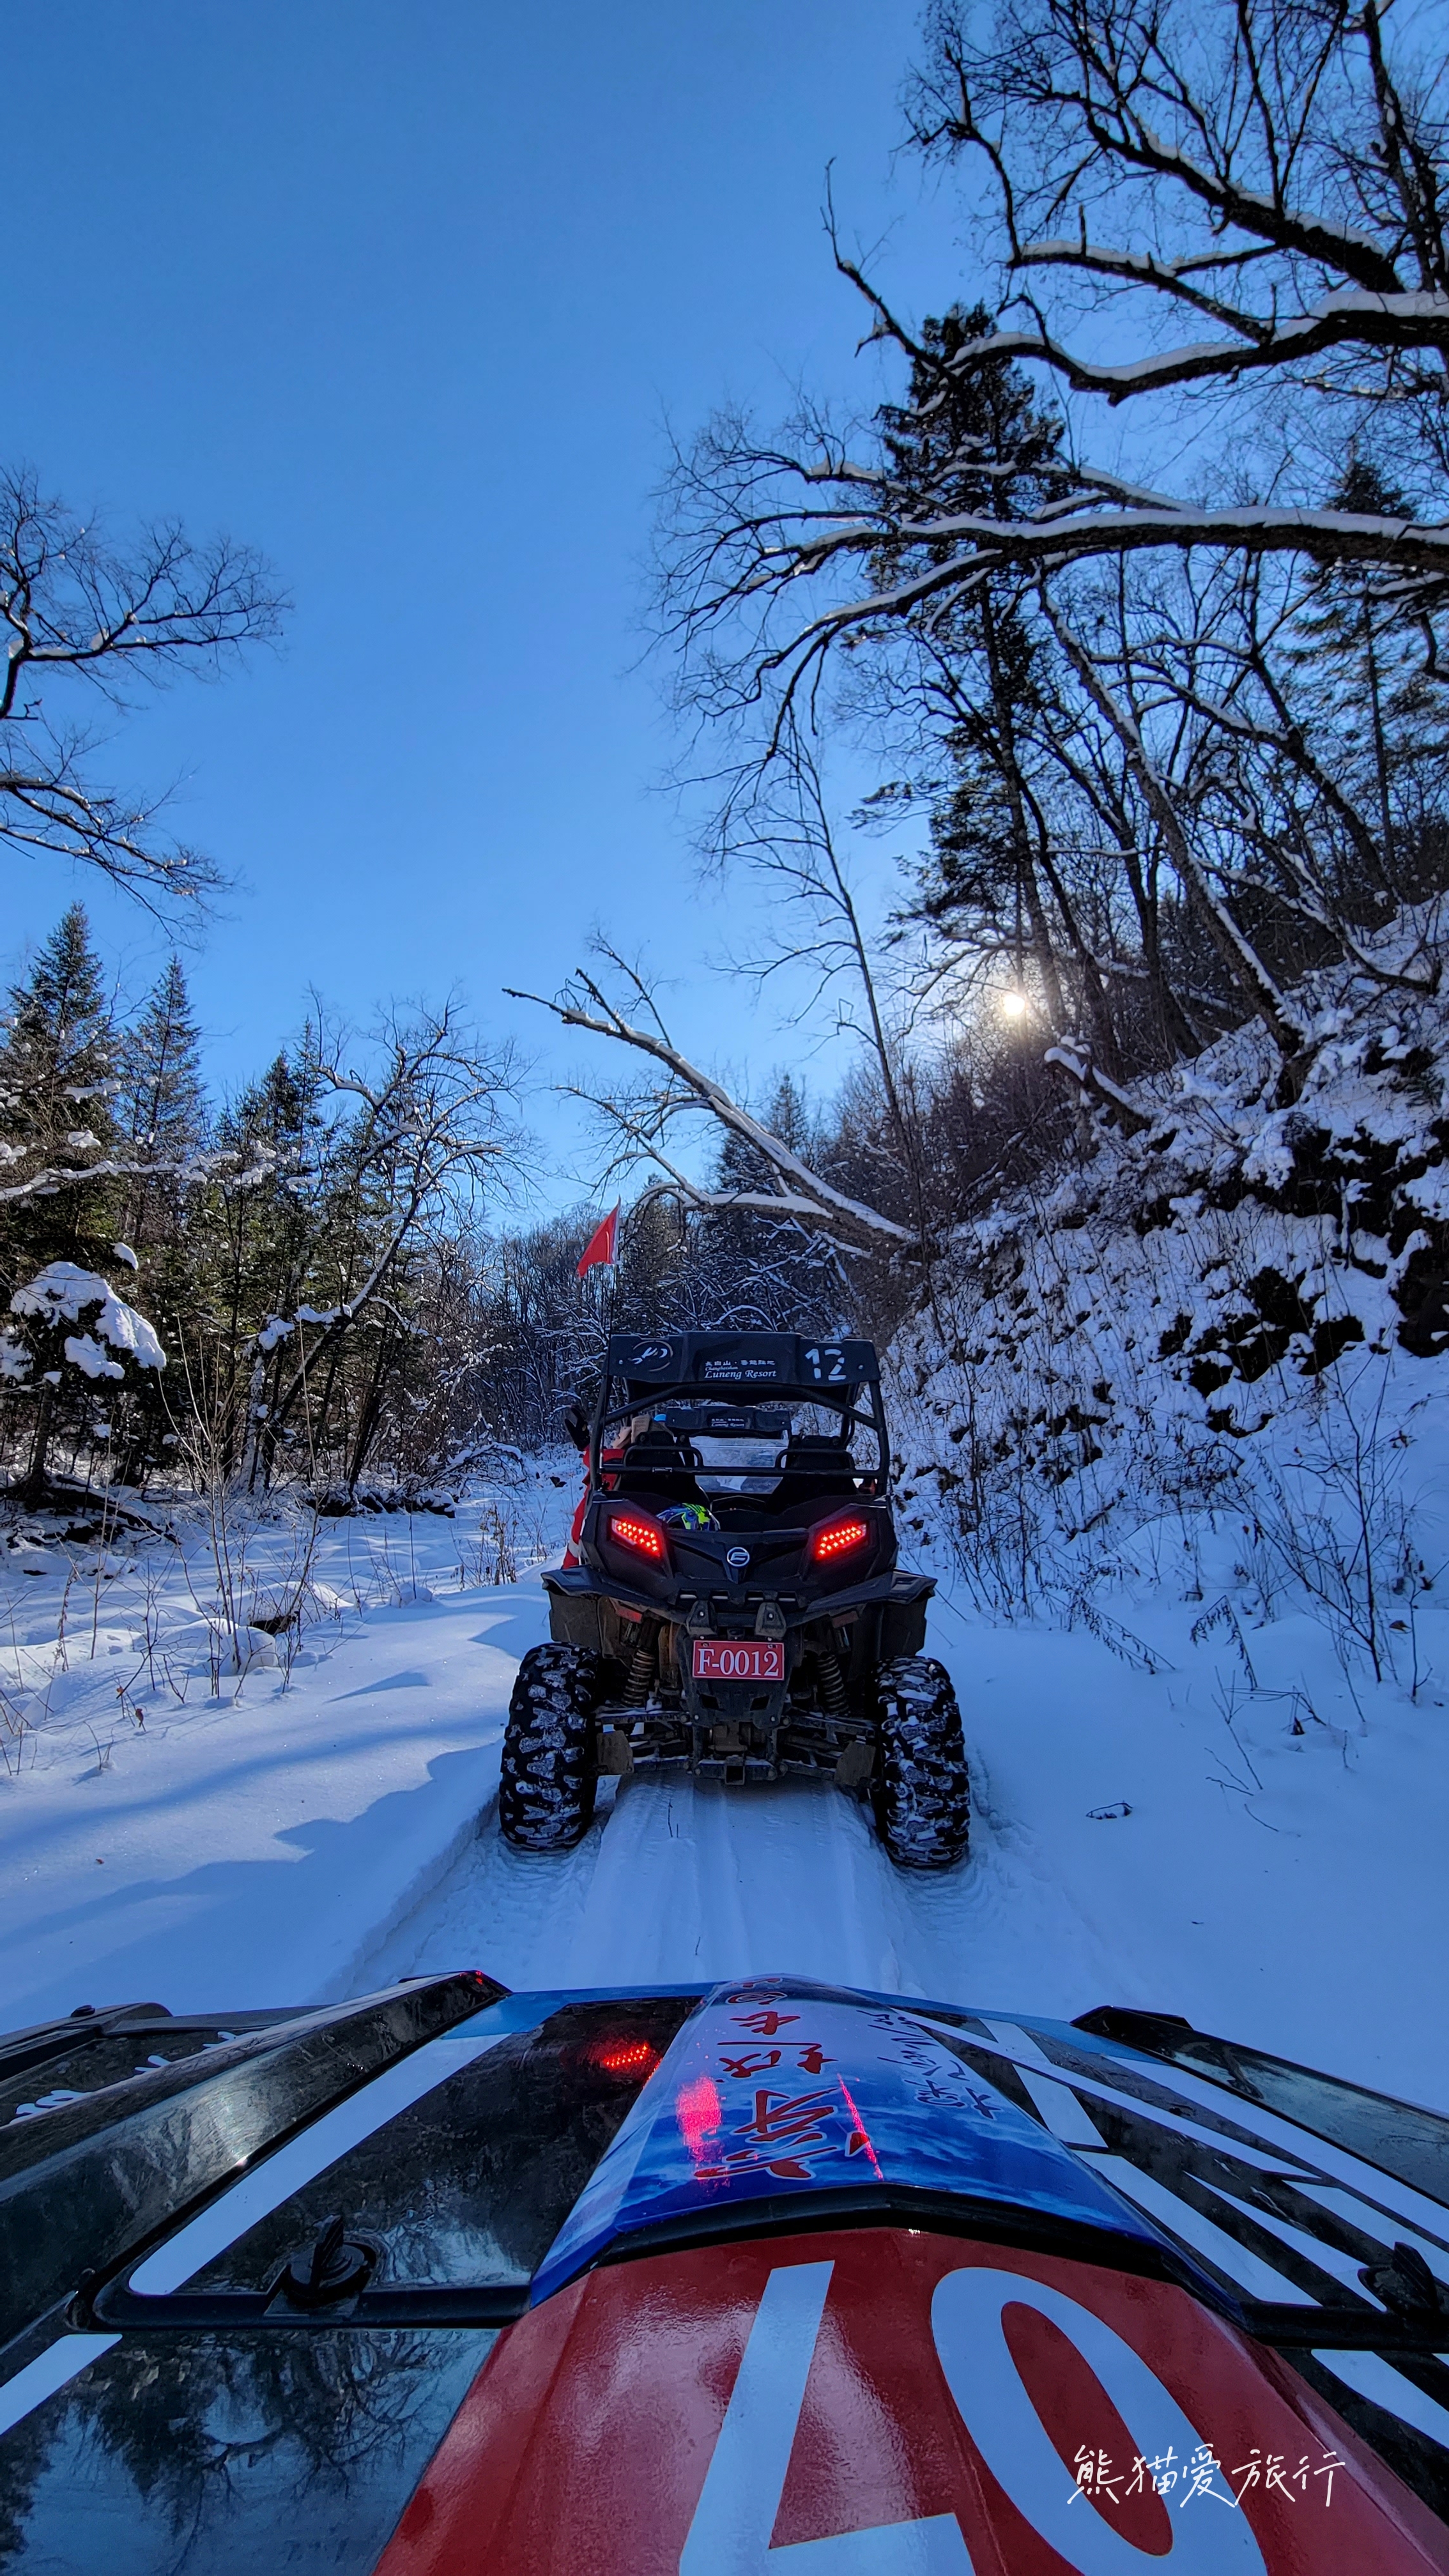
549	1776
922	1790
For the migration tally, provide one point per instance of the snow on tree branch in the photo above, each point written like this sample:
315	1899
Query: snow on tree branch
806	1195
62	1292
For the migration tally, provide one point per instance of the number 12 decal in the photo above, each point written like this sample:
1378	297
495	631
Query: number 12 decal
827	1364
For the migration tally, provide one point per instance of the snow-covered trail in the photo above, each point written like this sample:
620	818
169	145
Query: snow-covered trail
1207	1816
1299	1914
680	1880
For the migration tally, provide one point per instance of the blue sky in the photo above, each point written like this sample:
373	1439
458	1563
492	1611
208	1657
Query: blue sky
403	296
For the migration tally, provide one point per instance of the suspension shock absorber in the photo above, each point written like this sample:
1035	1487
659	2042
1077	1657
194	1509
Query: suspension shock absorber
641	1666
832	1683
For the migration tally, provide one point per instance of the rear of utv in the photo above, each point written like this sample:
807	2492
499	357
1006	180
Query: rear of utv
736	1608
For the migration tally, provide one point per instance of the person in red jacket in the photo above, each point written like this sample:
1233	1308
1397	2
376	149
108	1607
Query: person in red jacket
576	1424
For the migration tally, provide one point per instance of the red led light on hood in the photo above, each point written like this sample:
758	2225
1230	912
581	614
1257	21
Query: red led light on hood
625	2056
634	1529
838	1538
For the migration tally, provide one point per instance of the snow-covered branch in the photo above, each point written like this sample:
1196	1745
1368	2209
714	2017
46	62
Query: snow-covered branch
806	1193
1398	325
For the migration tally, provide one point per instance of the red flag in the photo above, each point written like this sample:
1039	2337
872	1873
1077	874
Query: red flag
601	1245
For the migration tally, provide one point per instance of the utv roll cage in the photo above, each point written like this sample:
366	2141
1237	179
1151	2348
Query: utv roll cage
708	1382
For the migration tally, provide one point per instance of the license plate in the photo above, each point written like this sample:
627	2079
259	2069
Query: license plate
737	1661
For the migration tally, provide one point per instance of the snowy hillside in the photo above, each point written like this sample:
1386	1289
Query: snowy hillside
1236	1310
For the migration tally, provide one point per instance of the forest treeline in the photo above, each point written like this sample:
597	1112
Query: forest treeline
1123	591
326	1255
319	1255
1118	603
1129	594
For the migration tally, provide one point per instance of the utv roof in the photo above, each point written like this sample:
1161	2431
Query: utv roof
740	1364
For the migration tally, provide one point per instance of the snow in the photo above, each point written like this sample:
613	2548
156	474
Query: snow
87	1355
277	1327
1170	1429
62	1289
321	1823
62	1292
192	1807
1285	1917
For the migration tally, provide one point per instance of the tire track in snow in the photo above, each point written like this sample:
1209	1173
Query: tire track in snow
680	1880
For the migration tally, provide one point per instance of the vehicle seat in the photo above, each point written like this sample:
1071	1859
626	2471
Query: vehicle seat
817	1470
660	1449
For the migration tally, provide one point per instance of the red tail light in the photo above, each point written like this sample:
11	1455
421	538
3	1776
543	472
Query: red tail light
637	1530
838	1538
629	2057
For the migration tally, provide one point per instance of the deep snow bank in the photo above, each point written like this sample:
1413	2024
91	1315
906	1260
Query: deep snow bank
1240	1310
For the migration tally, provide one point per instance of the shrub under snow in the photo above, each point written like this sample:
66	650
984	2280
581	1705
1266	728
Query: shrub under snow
62	1293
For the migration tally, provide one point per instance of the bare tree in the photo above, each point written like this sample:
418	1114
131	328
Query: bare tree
642	1119
1275	175
428	1132
789	839
77	613
1285	821
1271	171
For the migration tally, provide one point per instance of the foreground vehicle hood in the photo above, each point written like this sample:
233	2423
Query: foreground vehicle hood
719	2280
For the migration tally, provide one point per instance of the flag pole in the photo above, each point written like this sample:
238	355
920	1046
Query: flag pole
601	1253
611	1296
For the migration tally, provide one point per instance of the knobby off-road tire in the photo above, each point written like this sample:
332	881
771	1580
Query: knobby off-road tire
922	1793
550	1766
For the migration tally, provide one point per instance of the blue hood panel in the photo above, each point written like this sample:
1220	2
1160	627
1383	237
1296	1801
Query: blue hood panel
776	2086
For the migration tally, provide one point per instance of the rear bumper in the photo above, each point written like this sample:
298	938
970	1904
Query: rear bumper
902	1589
739	1753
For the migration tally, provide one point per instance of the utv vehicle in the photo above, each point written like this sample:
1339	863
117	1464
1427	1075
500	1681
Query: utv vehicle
735	1606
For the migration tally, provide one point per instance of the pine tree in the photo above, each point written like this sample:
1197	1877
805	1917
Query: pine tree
90	1365
759	1272
972	440
262	1220
1360	660
60	1047
57	1083
161	1104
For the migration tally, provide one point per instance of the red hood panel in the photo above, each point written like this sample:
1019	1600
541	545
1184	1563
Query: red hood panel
979	2411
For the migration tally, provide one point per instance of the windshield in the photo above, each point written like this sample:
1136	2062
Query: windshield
753	1464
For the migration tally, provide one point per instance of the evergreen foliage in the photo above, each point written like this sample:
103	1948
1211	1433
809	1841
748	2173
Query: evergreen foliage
57	1103
306	1250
